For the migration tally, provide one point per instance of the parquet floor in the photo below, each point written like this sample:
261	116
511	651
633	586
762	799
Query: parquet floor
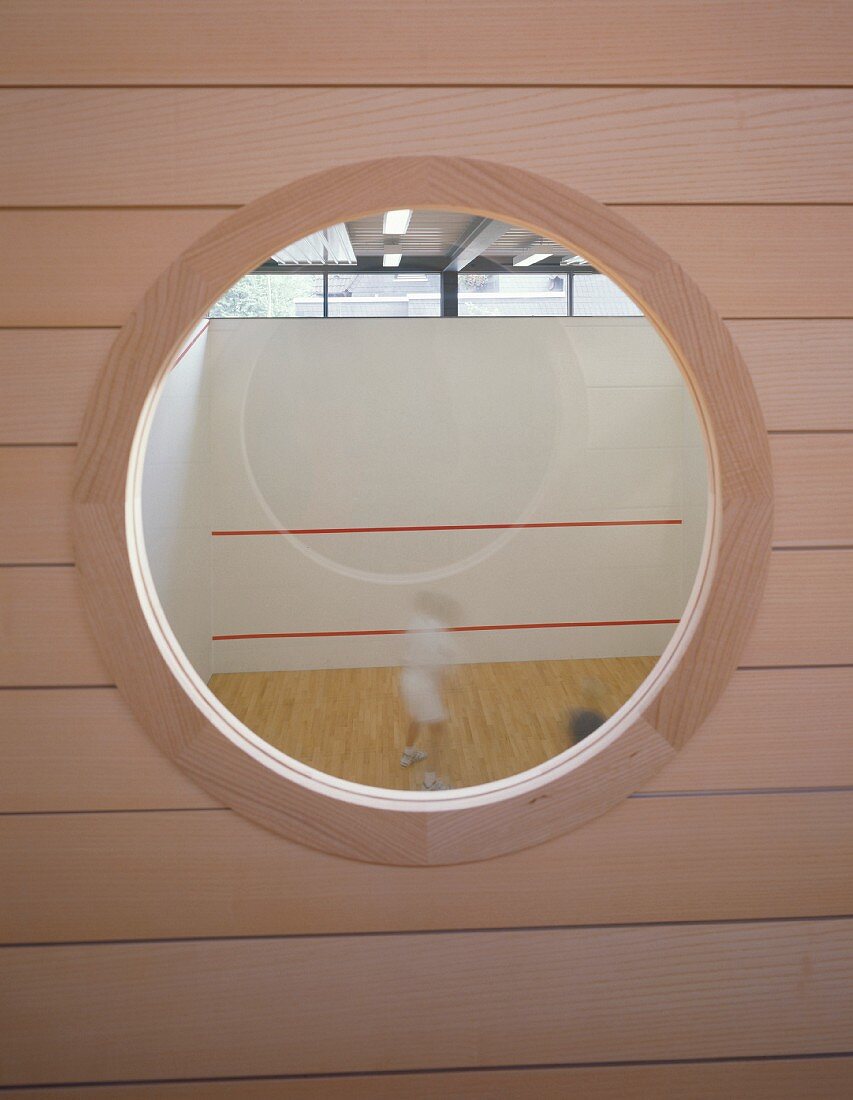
504	718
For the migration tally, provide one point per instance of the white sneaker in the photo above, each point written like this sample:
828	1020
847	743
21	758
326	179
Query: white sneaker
412	756
433	783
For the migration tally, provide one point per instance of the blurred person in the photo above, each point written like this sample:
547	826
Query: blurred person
428	650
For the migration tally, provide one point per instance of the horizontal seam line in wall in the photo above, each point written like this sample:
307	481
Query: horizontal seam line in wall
784	668
822	548
436	1071
770	431
228	207
225	207
508	1068
59	328
114	687
122	810
48	444
782	318
727	792
810	431
522	929
423	85
782	548
36	564
58	687
707	792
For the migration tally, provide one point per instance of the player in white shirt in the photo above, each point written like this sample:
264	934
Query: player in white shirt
428	650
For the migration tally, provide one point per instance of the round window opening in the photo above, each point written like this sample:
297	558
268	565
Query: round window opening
424	500
425	555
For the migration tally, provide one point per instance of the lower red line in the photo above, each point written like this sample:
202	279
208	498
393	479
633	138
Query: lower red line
455	527
452	629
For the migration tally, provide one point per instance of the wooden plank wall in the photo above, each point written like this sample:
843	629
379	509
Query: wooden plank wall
695	941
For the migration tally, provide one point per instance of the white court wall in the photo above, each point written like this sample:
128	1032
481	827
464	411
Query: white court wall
385	423
176	502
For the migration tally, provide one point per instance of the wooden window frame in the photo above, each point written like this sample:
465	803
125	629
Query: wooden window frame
401	827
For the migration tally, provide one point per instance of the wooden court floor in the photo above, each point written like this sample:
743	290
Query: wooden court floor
504	718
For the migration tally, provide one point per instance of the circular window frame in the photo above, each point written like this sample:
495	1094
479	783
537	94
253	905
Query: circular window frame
400	827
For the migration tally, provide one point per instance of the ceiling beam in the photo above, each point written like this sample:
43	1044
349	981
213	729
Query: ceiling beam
329	246
482	234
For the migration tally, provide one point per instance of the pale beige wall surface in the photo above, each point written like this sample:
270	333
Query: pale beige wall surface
704	925
597	427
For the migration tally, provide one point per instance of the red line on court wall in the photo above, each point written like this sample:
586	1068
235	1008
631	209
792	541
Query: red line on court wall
455	527
451	629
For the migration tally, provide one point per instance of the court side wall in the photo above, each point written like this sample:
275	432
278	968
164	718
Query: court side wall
176	502
374	423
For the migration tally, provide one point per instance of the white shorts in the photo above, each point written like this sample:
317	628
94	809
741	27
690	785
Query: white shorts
421	693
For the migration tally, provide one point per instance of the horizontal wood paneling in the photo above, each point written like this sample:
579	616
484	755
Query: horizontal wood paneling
35	504
743	260
407	42
800	370
806	611
804	619
109	259
225	146
813	480
782	1079
343	1004
44	635
813	490
771	729
92	876
83	750
46	378
740	256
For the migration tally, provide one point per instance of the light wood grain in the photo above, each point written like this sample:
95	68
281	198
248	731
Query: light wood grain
726	857
177	1010
782	1079
806	611
799	368
813	486
771	728
228	146
46	377
288	1006
743	262
446	42
801	371
83	750
35	504
45	637
278	791
503	718
812	478
110	257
